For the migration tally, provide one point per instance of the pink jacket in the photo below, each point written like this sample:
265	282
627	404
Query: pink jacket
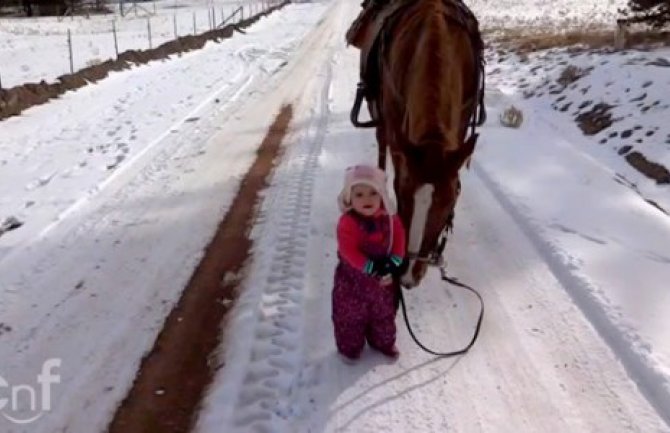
350	236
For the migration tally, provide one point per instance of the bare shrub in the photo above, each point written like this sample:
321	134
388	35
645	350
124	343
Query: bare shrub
571	74
649	168
595	120
511	117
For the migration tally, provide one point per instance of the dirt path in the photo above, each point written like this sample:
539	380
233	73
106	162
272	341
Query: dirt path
174	375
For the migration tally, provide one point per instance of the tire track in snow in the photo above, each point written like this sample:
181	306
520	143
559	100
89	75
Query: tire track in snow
652	383
178	364
275	371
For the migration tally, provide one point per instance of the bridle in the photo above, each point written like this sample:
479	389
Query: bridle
434	256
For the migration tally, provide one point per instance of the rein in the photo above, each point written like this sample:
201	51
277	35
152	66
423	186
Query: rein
455	282
435	258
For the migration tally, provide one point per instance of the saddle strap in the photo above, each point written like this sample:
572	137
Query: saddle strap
381	16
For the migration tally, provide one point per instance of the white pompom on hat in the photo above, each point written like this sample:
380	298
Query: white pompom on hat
364	175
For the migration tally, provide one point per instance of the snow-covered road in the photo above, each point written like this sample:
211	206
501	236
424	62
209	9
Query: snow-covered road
540	364
104	253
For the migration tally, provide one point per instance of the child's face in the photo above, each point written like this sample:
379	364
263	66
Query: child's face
365	200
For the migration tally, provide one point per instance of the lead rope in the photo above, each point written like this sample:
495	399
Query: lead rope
446	278
457	283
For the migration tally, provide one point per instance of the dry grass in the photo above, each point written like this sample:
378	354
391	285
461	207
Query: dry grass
648	39
525	40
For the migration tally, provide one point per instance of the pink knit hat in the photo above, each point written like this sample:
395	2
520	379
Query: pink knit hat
364	175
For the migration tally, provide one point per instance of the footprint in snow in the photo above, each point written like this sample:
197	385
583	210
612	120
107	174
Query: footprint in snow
9	224
4	329
44	180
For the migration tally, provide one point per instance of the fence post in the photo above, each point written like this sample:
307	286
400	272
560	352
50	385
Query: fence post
69	44
116	42
174	20
621	35
149	31
194	30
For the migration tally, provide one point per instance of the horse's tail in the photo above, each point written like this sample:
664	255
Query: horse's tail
434	89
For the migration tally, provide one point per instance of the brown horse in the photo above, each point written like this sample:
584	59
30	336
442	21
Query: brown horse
423	76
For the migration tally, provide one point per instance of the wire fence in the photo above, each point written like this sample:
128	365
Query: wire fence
59	49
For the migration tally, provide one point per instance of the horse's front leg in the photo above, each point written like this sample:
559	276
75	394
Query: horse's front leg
381	149
381	161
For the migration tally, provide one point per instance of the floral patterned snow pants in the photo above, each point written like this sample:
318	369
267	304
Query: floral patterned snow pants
363	309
